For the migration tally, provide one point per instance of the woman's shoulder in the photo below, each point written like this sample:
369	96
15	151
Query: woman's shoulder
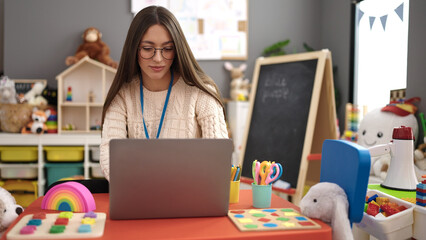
130	85
193	88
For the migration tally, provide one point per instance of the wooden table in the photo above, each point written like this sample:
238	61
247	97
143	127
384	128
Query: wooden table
191	228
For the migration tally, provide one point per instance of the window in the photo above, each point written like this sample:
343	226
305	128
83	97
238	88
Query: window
381	40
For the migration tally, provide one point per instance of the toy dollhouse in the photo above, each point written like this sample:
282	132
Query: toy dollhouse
82	89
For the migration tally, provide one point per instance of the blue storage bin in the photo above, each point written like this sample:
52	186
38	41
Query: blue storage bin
57	171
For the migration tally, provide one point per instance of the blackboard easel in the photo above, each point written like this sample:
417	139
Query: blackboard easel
292	111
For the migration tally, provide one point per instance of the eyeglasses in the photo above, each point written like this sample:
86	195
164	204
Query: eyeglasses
149	52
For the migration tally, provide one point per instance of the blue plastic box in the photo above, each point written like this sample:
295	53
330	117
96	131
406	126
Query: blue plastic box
57	171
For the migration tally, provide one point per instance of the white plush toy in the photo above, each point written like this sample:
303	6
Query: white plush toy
328	202
239	87
420	157
377	128
9	210
34	95
7	90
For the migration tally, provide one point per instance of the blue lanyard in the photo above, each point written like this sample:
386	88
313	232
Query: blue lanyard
164	108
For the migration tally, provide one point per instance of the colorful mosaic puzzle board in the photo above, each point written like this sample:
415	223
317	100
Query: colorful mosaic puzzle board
270	219
61	225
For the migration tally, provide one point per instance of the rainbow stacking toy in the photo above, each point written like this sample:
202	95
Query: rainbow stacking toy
69	196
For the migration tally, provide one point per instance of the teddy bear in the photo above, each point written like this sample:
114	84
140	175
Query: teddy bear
328	202
93	47
376	128
38	122
239	87
9	210
7	90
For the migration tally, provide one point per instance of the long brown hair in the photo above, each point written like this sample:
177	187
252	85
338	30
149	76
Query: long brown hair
184	62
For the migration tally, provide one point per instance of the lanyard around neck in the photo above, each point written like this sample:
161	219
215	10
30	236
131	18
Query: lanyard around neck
164	108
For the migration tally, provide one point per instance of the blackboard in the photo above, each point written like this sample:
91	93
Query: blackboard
284	104
277	129
22	86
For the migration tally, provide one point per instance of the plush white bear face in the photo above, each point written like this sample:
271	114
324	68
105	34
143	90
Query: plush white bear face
377	127
10	213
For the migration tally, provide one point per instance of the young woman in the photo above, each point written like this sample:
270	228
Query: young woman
159	90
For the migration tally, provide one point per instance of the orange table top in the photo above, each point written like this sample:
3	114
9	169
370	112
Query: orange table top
191	228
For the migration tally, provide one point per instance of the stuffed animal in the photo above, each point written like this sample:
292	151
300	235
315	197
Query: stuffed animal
420	157
7	90
9	210
377	127
34	96
239	87
93	47
38	123
328	202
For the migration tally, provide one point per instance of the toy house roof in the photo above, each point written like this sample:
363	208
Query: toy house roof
82	61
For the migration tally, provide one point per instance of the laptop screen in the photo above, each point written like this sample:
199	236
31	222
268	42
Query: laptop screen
167	178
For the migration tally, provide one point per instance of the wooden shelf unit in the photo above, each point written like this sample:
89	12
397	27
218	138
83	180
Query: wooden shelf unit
89	81
16	139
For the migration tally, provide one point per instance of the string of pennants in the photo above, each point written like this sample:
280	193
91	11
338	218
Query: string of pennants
399	11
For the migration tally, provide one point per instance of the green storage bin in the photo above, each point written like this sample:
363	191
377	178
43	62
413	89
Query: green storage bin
57	171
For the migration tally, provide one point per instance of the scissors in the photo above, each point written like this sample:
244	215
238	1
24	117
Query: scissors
255	171
275	173
264	170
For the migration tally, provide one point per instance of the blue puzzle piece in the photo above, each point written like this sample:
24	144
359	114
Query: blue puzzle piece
85	228
35	222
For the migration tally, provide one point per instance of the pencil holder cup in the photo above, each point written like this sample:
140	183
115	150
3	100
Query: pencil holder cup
234	195
261	195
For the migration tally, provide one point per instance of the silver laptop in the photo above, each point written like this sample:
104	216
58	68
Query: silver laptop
169	178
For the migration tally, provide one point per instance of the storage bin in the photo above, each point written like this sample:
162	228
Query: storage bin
18	154
419	229
57	171
21	172
64	154
96	172
24	192
94	154
395	227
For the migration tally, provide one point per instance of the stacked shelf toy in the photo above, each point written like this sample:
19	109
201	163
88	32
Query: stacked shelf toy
69	94
52	121
421	192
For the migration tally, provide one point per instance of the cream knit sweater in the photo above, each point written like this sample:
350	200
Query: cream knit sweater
191	113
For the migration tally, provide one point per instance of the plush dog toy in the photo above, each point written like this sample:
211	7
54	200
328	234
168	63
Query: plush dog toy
9	210
38	123
239	87
93	47
328	202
